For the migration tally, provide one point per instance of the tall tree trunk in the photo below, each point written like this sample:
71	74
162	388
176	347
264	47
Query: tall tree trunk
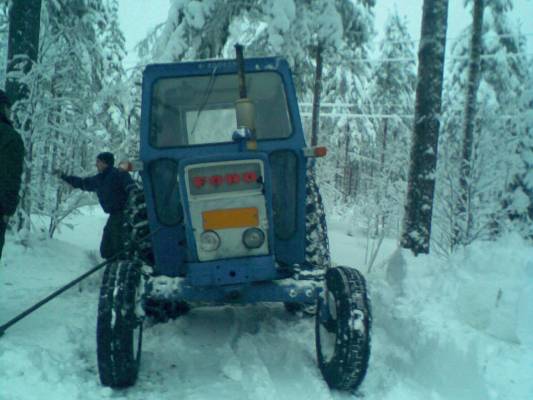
421	182
23	48
463	225
384	143
316	97
385	177
347	175
356	178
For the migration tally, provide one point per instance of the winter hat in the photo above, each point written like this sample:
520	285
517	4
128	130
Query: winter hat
4	99
106	157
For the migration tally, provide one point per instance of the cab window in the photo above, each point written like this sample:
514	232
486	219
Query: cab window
195	110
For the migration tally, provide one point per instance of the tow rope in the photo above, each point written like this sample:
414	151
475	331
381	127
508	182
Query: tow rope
53	295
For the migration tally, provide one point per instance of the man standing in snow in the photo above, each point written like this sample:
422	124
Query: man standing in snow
112	186
11	160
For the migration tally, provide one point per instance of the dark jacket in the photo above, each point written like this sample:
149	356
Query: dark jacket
111	186
11	161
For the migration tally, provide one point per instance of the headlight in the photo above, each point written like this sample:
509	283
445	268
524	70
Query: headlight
253	238
209	241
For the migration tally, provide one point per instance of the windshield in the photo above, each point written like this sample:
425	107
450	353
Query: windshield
197	110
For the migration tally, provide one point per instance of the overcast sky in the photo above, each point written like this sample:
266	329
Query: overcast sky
138	17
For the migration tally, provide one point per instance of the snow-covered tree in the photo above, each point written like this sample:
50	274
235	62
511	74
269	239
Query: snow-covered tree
472	86
499	134
74	102
345	90
383	160
113	100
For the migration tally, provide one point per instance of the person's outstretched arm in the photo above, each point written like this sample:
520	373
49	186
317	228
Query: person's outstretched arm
89	184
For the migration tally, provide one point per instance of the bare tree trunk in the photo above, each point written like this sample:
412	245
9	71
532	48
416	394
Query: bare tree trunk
421	183
316	97
385	179
347	175
356	179
384	144
461	234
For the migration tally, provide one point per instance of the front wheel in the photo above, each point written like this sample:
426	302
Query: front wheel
118	328
343	329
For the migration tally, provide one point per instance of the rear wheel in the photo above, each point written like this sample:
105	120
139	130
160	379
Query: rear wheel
137	226
316	230
119	328
317	255
139	230
343	329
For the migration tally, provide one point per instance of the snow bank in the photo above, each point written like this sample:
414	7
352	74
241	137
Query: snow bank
457	327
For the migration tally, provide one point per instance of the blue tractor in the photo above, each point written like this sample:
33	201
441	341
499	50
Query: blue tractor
228	212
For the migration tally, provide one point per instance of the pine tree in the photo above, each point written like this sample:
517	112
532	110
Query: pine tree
113	99
499	135
474	66
392	96
345	88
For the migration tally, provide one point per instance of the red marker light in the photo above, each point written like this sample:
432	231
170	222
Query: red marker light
232	179
320	151
249	177
216	180
198	181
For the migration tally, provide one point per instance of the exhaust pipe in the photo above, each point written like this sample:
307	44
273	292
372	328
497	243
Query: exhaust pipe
244	107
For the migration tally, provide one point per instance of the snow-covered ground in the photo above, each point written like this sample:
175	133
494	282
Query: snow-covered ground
443	329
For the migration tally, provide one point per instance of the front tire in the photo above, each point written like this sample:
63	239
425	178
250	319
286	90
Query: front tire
343	329
118	328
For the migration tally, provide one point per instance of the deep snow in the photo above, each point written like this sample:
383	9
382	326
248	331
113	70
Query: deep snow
459	328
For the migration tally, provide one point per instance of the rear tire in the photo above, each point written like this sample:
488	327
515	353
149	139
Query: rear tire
118	328
343	334
317	255
138	228
317	251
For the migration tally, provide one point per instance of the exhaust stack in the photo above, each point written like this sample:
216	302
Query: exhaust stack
244	106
